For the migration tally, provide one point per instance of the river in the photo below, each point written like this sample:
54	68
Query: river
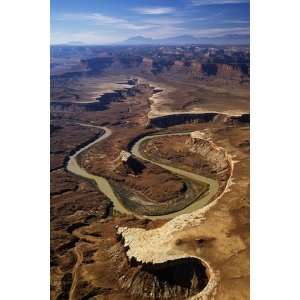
106	188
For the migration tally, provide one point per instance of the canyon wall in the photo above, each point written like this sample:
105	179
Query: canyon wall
101	102
185	118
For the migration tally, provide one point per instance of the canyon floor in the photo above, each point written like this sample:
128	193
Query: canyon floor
134	225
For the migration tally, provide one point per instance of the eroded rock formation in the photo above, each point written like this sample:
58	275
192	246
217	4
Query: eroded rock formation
175	279
174	119
216	156
103	101
127	164
186	118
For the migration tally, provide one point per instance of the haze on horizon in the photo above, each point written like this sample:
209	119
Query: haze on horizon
105	22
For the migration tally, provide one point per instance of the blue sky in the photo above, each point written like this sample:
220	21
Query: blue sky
110	21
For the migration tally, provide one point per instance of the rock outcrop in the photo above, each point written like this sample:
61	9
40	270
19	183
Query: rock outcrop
101	102
127	164
216	156
176	279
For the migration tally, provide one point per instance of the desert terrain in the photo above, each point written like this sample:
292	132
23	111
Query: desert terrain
150	173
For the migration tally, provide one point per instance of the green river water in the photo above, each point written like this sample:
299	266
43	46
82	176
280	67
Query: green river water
106	188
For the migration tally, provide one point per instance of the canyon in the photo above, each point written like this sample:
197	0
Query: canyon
150	182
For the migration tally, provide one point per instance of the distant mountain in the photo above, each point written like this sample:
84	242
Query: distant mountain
75	43
182	39
189	39
232	39
138	40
